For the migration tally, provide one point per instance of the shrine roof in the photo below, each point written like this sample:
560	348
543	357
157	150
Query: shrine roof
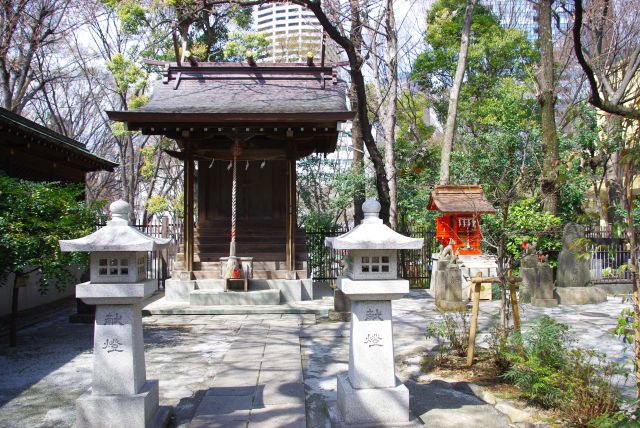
27	132
464	199
234	91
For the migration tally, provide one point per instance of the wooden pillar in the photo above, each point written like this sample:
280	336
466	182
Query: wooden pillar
291	213
475	308
189	172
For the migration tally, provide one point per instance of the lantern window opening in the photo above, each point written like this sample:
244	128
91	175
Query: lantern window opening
113	267
375	264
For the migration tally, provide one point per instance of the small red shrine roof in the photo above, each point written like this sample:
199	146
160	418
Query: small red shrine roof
464	199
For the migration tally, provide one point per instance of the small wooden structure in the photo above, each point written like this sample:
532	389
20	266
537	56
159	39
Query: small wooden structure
33	152
277	114
461	207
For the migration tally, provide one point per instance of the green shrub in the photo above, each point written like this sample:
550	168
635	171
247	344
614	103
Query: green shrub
452	333
619	419
550	372
499	349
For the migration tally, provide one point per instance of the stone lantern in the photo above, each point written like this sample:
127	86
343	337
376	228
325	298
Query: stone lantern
370	393
120	394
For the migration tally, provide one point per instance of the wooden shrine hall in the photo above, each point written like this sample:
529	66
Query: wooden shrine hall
269	116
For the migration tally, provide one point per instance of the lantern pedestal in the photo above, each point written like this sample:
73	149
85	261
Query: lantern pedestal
120	395
371	393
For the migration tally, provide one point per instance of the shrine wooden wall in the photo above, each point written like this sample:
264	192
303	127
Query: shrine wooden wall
261	193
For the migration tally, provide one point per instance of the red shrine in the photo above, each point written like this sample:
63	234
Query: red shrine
461	207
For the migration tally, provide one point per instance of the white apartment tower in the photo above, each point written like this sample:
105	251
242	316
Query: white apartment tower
291	30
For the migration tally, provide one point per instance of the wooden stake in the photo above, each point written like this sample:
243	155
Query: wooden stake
477	284
516	312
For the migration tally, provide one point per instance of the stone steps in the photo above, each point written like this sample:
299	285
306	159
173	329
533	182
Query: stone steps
257	274
215	298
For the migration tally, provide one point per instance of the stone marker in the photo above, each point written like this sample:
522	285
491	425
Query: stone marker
574	276
449	291
120	396
573	271
370	393
537	280
528	273
542	293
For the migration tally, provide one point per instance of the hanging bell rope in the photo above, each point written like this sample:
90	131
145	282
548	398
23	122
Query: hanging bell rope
232	263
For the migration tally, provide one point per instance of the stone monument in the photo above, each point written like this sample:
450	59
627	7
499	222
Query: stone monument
528	273
537	279
449	284
573	270
444	258
120	396
370	394
542	294
573	275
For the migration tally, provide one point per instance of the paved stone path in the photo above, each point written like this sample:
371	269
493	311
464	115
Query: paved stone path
259	381
256	370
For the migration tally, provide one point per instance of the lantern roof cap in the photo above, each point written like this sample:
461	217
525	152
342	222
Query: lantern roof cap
117	235
373	234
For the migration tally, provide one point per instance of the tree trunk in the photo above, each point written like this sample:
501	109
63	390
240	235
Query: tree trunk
356	130
390	110
633	268
357	79
357	166
13	323
547	100
449	130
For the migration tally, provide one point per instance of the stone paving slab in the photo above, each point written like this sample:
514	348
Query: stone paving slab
279	416
226	407
41	379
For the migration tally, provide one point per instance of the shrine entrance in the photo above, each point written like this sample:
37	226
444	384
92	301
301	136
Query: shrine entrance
275	115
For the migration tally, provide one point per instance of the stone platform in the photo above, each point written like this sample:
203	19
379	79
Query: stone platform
201	292
161	306
579	295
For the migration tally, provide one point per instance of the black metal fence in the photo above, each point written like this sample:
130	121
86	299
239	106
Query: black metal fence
325	264
610	263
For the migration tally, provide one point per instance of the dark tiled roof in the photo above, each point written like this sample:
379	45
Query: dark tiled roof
460	199
40	132
241	89
245	96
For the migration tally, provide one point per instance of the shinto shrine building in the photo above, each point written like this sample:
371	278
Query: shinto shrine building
269	116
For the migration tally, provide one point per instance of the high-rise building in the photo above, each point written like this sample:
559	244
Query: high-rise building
523	14
292	32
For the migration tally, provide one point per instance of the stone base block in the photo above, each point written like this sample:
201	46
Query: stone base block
616	288
341	302
134	411
176	290
290	289
306	289
579	295
449	306
214	298
544	303
372	406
